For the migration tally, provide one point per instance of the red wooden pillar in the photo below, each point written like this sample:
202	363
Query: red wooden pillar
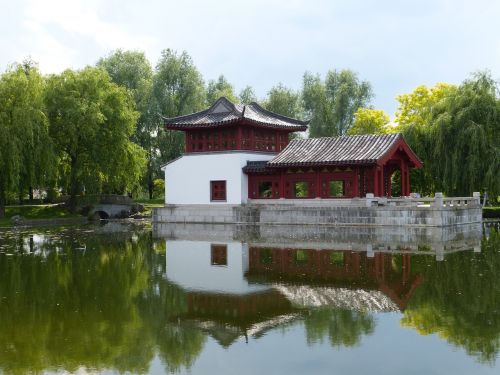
251	134
318	183
403	178
375	181
389	182
355	182
282	184
408	190
239	137
382	184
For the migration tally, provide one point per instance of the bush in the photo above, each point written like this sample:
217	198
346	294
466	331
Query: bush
158	188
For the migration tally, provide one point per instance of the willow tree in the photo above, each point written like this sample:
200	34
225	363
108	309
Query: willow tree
466	137
24	144
456	132
91	122
331	104
132	70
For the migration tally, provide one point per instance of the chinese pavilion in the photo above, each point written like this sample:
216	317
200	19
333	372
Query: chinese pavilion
238	152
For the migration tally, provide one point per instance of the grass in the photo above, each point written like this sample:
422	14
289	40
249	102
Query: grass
491	212
149	204
46	211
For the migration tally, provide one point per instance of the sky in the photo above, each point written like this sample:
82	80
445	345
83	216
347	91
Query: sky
395	45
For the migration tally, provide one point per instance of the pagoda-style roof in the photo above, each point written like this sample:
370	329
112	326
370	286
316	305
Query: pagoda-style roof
223	112
343	150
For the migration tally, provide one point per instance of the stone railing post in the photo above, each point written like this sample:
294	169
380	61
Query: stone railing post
477	198
369	199
438	200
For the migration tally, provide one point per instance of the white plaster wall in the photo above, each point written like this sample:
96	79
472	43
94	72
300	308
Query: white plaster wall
187	179
189	266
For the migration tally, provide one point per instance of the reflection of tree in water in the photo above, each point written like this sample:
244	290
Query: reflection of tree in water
89	300
341	327
460	300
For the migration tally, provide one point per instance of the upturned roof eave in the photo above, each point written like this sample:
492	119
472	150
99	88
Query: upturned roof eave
192	126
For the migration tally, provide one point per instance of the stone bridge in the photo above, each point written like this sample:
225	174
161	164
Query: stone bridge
114	206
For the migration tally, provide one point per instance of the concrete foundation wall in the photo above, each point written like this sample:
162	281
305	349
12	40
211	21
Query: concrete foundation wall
316	213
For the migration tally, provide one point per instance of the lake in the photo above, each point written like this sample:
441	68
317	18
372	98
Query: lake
208	299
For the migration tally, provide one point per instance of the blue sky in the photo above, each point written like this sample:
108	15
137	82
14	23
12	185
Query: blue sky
396	45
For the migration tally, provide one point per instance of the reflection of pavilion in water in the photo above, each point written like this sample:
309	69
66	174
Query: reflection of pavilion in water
233	290
326	272
243	281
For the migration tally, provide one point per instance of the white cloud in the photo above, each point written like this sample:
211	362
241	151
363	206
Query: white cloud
395	45
62	34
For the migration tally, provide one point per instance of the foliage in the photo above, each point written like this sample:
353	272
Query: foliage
159	188
332	103
284	101
247	95
26	157
91	122
178	89
55	316
455	302
218	88
456	132
370	121
341	327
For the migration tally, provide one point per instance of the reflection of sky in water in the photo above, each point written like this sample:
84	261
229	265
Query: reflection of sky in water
390	350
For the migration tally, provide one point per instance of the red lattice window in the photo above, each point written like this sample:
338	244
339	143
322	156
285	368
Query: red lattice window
218	190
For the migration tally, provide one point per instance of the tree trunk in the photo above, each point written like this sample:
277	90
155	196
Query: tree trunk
2	203
31	194
73	188
150	182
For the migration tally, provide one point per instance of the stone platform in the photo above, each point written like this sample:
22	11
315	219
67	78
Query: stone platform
369	211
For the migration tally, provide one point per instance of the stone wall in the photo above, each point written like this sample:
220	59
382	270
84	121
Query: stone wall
418	240
322	213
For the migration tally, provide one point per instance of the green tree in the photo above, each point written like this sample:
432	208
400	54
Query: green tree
25	149
414	118
284	101
456	132
332	103
178	89
133	70
91	122
370	121
247	95
218	88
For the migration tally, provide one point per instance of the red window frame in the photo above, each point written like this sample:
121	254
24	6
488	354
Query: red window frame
218	191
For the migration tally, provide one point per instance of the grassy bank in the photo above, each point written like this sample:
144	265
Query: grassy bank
46	212
149	204
491	212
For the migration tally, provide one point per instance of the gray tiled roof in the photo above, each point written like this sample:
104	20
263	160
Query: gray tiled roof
357	149
255	166
224	112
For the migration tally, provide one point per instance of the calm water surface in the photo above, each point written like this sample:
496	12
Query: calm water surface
210	300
